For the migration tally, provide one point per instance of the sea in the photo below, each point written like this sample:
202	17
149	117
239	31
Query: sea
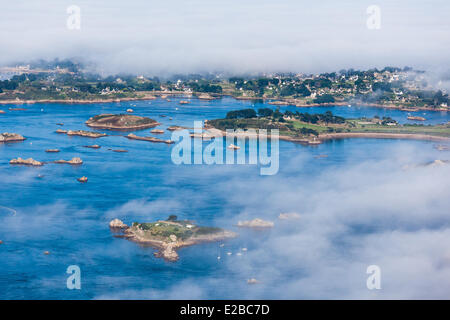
345	192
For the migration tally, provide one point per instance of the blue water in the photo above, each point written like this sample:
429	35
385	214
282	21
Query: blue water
53	212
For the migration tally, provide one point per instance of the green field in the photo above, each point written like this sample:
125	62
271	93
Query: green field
182	229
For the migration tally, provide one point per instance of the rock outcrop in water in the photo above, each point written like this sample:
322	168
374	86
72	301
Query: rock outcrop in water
121	122
117	224
27	162
83	133
52	150
233	147
205	96
149	139
157	131
289	216
255	223
253	281
94	146
170	235
83	179
10	137
416	118
73	161
175	128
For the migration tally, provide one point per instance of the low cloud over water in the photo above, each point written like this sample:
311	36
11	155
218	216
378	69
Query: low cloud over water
369	213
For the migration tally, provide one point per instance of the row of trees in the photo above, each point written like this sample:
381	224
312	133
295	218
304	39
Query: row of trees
8	85
239	114
326	117
205	87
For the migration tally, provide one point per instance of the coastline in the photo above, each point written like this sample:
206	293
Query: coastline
363	104
380	135
272	101
330	136
167	250
76	101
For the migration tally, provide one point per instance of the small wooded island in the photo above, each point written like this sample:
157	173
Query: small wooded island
170	235
121	122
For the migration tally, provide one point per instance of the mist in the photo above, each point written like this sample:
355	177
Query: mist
160	38
372	213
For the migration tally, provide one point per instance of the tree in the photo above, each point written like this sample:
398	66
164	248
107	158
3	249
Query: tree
303	90
265	112
382	86
262	82
172	217
439	98
245	113
325	98
277	115
288	90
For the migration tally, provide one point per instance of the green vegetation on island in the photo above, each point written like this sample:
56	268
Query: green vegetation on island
313	127
121	122
171	234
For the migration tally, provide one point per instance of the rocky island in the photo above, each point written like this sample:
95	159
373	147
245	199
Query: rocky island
27	162
175	128
81	133
149	139
169	235
417	118
73	161
121	122
10	137
255	223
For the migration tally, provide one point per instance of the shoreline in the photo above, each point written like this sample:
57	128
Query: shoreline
382	135
167	250
76	101
330	136
272	101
